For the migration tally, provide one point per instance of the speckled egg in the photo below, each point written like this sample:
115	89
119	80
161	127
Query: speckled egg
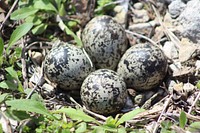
105	41
67	66
143	66
104	92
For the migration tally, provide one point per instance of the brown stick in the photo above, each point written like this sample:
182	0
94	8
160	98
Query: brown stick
8	15
24	67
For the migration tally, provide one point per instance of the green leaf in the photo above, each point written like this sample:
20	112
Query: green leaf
12	72
28	105
182	119
33	19
66	131
166	124
104	6
17	115
18	52
44	5
129	116
122	130
39	29
72	23
198	84
71	33
62	11
194	127
82	127
1	128
59	2
110	122
105	129
20	86
7	84
19	32
76	114
3	97
101	3
23	13
1	46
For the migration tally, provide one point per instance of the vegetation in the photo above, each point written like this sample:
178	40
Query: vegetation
47	21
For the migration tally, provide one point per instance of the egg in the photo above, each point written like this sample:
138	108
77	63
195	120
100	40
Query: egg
143	66
104	92
105	41
67	66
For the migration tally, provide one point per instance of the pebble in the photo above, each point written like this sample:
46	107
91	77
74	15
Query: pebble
190	19
170	50
138	5
176	7
48	88
140	16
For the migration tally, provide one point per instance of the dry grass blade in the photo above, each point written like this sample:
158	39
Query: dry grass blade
162	113
167	32
111	3
7	16
24	66
189	116
88	111
193	104
7	123
140	36
146	114
40	82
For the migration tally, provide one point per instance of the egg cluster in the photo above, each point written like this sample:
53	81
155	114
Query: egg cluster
103	85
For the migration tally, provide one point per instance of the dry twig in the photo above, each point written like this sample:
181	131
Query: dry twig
39	83
24	67
167	32
88	111
8	125
189	116
140	36
8	15
193	104
162	113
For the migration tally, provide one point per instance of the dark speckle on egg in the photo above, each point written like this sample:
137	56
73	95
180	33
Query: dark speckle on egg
104	92
105	41
143	66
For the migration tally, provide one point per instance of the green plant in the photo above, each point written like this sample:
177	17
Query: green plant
38	15
194	127
182	120
166	127
66	119
12	81
104	6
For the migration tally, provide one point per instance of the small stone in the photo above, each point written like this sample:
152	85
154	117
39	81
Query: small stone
37	57
121	13
170	50
47	87
140	16
170	85
176	7
190	19
138	5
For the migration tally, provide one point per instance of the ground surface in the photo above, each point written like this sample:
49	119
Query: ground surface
31	103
